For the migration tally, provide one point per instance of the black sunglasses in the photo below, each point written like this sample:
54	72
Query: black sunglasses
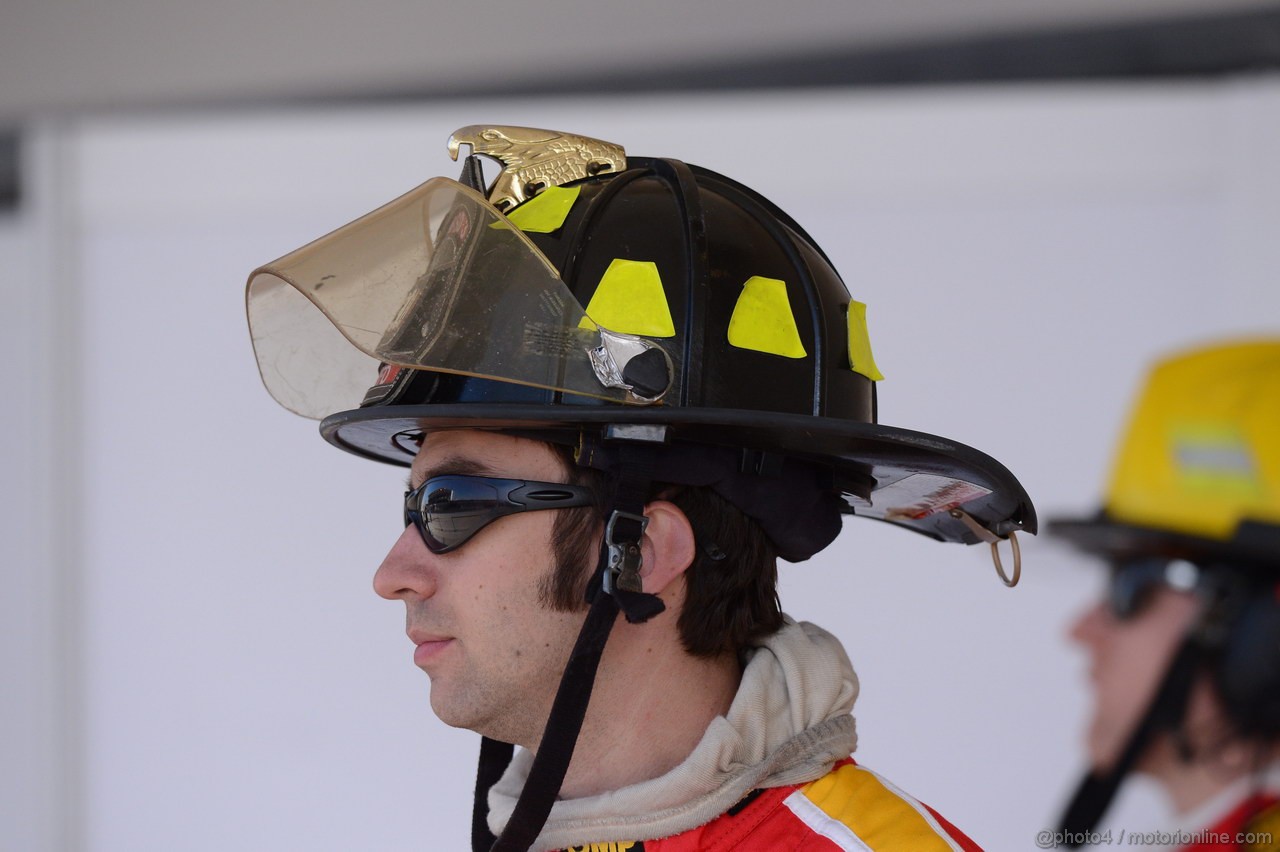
449	510
1133	581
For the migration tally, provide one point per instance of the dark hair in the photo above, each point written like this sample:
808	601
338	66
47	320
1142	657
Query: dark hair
731	596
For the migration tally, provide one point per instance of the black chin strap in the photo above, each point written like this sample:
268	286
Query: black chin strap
495	756
614	587
561	734
1097	789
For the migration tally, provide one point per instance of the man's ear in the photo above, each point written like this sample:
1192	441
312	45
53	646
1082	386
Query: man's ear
668	547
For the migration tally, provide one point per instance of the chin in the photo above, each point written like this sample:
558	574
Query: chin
446	710
1102	748
457	713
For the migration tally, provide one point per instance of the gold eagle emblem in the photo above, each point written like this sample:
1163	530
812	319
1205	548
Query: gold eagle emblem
534	159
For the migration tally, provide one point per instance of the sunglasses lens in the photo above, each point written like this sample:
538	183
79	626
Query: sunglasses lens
450	510
1132	584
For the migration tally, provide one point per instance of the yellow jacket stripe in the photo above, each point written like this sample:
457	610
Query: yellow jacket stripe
858	810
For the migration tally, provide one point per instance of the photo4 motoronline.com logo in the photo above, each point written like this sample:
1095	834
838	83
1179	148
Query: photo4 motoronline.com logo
1170	839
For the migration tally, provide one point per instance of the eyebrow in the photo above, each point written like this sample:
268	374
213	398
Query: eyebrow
455	465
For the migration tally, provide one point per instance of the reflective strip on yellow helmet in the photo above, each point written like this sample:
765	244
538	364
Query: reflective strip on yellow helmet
1202	452
545	212
630	299
762	319
860	358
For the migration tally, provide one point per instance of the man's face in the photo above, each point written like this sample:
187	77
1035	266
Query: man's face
1128	658
494	653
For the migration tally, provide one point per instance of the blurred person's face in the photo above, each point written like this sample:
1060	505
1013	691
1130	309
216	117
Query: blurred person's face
1128	658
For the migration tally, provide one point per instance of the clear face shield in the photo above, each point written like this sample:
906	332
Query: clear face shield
435	280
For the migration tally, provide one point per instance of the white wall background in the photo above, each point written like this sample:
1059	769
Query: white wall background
198	662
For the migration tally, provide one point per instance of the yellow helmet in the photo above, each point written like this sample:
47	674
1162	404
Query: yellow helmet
1198	471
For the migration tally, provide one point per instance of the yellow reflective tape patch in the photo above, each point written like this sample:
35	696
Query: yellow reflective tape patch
762	319
630	299
881	816
860	357
546	211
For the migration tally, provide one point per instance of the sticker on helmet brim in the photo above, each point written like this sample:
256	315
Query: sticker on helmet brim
920	495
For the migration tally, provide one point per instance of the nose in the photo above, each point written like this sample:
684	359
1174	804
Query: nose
1089	625
406	571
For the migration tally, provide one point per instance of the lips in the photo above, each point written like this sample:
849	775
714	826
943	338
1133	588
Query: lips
428	646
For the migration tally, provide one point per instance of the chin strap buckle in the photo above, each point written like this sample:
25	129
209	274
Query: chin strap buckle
622	535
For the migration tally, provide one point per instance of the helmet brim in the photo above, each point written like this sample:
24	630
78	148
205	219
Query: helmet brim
1100	535
864	456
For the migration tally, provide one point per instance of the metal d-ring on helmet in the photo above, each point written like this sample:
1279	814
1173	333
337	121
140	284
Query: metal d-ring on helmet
670	323
1196	492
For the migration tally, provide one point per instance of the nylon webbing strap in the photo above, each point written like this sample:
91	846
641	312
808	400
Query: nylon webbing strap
495	757
1094	795
556	749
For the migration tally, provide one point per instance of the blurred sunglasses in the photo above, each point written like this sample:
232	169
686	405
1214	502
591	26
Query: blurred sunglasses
449	510
1133	582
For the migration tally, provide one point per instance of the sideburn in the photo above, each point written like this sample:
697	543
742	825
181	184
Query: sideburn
575	539
575	544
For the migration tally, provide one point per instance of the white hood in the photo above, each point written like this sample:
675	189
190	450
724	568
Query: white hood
789	723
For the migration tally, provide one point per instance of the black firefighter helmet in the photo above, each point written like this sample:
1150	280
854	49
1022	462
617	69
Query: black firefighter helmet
614	290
